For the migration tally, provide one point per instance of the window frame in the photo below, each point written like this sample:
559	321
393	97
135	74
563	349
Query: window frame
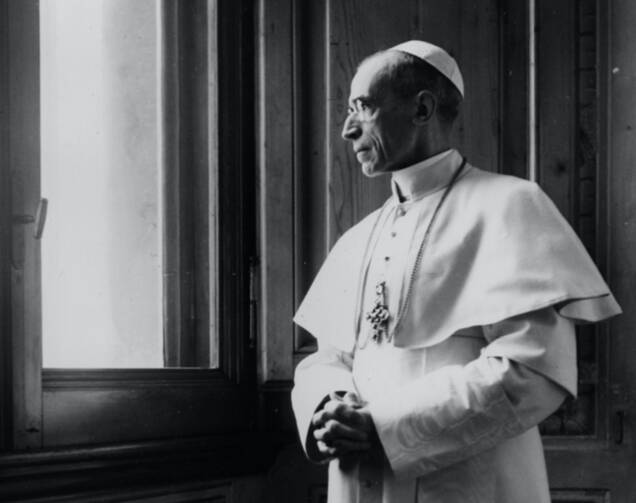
46	410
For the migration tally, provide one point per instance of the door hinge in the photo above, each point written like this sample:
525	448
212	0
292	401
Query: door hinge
253	301
618	427
621	403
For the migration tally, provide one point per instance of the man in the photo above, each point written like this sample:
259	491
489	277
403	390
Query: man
445	320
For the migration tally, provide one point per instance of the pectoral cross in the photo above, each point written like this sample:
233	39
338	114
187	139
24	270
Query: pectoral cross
379	315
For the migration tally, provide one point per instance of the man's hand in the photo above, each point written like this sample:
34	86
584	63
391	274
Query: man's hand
343	427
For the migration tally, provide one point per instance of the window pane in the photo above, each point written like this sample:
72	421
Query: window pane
101	250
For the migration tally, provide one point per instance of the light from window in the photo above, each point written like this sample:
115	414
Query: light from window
102	246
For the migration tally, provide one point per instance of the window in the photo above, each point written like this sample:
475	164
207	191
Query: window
102	175
146	120
113	213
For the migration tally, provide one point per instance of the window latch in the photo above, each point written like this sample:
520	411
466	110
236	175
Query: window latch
39	219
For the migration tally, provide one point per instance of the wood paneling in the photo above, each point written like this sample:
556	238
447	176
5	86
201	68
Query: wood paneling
23	158
178	259
580	496
110	406
600	174
514	50
141	469
621	221
589	125
556	89
6	392
237	172
310	84
276	158
570	134
182	493
190	169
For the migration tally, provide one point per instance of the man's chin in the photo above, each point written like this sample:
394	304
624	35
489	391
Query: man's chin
372	170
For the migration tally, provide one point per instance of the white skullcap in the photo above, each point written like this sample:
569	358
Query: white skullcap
436	57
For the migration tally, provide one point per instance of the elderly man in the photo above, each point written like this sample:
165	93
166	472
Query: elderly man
445	319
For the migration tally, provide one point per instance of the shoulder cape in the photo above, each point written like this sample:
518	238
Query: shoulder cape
499	248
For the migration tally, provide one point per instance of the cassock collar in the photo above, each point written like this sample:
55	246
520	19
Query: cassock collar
425	177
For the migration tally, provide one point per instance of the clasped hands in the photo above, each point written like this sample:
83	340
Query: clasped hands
343	428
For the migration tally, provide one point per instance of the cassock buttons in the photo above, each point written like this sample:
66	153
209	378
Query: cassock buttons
393	234
401	211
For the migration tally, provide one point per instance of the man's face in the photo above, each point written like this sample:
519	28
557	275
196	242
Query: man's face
379	126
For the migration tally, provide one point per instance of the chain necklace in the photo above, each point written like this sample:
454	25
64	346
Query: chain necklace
379	314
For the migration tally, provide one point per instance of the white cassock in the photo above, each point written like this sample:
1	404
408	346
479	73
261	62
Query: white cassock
484	350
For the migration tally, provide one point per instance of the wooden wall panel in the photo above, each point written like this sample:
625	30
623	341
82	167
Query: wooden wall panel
514	117
580	496
6	394
152	489
24	165
568	150
621	239
187	493
310	226
88	409
470	32
276	162
608	461
557	100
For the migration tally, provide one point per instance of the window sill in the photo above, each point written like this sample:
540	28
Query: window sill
57	471
109	378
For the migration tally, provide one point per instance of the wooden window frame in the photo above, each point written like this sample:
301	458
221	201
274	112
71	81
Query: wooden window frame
188	421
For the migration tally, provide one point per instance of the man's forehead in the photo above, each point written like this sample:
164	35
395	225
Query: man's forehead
365	81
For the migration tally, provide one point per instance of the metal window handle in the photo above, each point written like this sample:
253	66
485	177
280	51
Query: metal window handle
39	219
619	419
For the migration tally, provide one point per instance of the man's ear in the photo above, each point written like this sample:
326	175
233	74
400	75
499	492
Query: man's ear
426	104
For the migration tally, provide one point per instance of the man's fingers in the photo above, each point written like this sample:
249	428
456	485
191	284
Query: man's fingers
352	399
335	430
344	445
341	448
343	412
324	448
334	396
335	409
319	419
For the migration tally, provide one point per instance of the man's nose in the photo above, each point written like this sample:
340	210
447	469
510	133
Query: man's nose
350	129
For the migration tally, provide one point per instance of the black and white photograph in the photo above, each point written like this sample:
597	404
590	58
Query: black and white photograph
318	251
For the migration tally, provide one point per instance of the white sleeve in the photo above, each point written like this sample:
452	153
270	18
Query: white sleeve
456	412
327	370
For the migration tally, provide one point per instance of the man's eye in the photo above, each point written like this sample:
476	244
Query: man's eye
358	106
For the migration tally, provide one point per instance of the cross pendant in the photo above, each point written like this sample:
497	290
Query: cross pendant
379	314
